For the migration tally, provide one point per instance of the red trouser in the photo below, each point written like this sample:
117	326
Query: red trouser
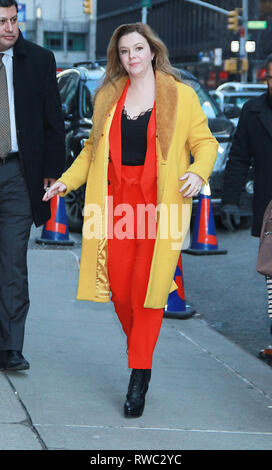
129	262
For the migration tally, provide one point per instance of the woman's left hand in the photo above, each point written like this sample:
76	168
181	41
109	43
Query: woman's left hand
194	184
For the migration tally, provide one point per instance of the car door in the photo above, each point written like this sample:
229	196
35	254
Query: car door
68	84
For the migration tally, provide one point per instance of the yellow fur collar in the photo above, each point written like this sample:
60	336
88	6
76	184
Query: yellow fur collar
166	109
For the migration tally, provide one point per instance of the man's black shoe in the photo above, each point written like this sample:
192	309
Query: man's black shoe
16	361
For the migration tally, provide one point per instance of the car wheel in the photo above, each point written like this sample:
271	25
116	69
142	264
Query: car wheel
73	203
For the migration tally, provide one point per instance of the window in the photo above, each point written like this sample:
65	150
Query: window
94	83
53	41
68	86
87	106
30	35
207	104
62	81
76	42
237	100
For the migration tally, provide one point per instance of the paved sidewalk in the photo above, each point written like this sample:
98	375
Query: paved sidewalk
205	392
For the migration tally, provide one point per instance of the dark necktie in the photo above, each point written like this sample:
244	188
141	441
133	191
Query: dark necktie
5	134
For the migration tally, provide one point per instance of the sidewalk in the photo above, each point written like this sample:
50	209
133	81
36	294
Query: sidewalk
205	392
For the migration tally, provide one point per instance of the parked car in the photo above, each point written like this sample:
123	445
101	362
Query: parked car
242	86
231	102
77	85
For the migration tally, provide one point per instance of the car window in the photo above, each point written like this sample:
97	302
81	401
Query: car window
68	87
258	90
206	102
87	106
237	100
233	86
62	83
88	92
217	99
93	84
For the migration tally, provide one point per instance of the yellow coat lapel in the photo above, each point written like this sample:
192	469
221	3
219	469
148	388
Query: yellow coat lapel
166	106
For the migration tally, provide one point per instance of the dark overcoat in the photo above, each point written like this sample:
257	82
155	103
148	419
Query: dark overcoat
39	122
252	145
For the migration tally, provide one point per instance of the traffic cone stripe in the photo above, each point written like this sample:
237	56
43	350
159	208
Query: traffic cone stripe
176	306
179	280
205	224
204	240
54	225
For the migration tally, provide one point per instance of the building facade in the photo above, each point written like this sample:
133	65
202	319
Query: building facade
59	25
191	32
194	35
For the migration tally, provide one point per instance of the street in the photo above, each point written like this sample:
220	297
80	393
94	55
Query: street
206	392
227	291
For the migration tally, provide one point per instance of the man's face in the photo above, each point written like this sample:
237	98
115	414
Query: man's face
9	29
269	78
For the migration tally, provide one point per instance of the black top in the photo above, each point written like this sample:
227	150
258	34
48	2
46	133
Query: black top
134	138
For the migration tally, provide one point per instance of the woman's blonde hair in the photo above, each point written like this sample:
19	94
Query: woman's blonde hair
161	62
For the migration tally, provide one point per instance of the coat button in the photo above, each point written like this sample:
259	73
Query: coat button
108	182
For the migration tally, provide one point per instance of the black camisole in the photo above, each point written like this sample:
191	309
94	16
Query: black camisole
134	138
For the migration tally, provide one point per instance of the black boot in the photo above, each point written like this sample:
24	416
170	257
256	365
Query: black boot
137	388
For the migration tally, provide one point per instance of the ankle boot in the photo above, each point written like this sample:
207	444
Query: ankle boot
137	388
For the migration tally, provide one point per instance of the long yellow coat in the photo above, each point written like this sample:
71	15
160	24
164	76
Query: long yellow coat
181	128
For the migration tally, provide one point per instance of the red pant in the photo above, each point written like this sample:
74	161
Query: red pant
129	262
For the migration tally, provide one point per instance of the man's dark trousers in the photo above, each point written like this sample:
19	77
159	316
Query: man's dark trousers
15	224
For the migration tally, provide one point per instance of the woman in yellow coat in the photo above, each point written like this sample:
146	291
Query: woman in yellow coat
139	189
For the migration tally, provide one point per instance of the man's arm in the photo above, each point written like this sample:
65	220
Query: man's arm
238	164
236	173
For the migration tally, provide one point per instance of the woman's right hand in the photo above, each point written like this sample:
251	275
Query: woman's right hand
54	190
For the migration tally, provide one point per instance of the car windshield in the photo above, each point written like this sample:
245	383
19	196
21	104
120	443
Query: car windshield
237	100
206	102
242	87
257	89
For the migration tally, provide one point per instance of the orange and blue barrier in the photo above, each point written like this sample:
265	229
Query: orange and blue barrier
176	306
55	230
204	239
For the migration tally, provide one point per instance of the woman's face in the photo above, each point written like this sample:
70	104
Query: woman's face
135	54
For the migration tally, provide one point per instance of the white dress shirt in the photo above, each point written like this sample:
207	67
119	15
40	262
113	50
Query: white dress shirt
7	61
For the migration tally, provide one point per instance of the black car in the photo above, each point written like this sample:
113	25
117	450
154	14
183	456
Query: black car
77	85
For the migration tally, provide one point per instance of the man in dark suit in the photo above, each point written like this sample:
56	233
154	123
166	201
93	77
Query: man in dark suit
252	145
32	156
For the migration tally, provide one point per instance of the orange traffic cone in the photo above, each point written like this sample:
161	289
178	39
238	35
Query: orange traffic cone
176	306
204	240
55	230
266	354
